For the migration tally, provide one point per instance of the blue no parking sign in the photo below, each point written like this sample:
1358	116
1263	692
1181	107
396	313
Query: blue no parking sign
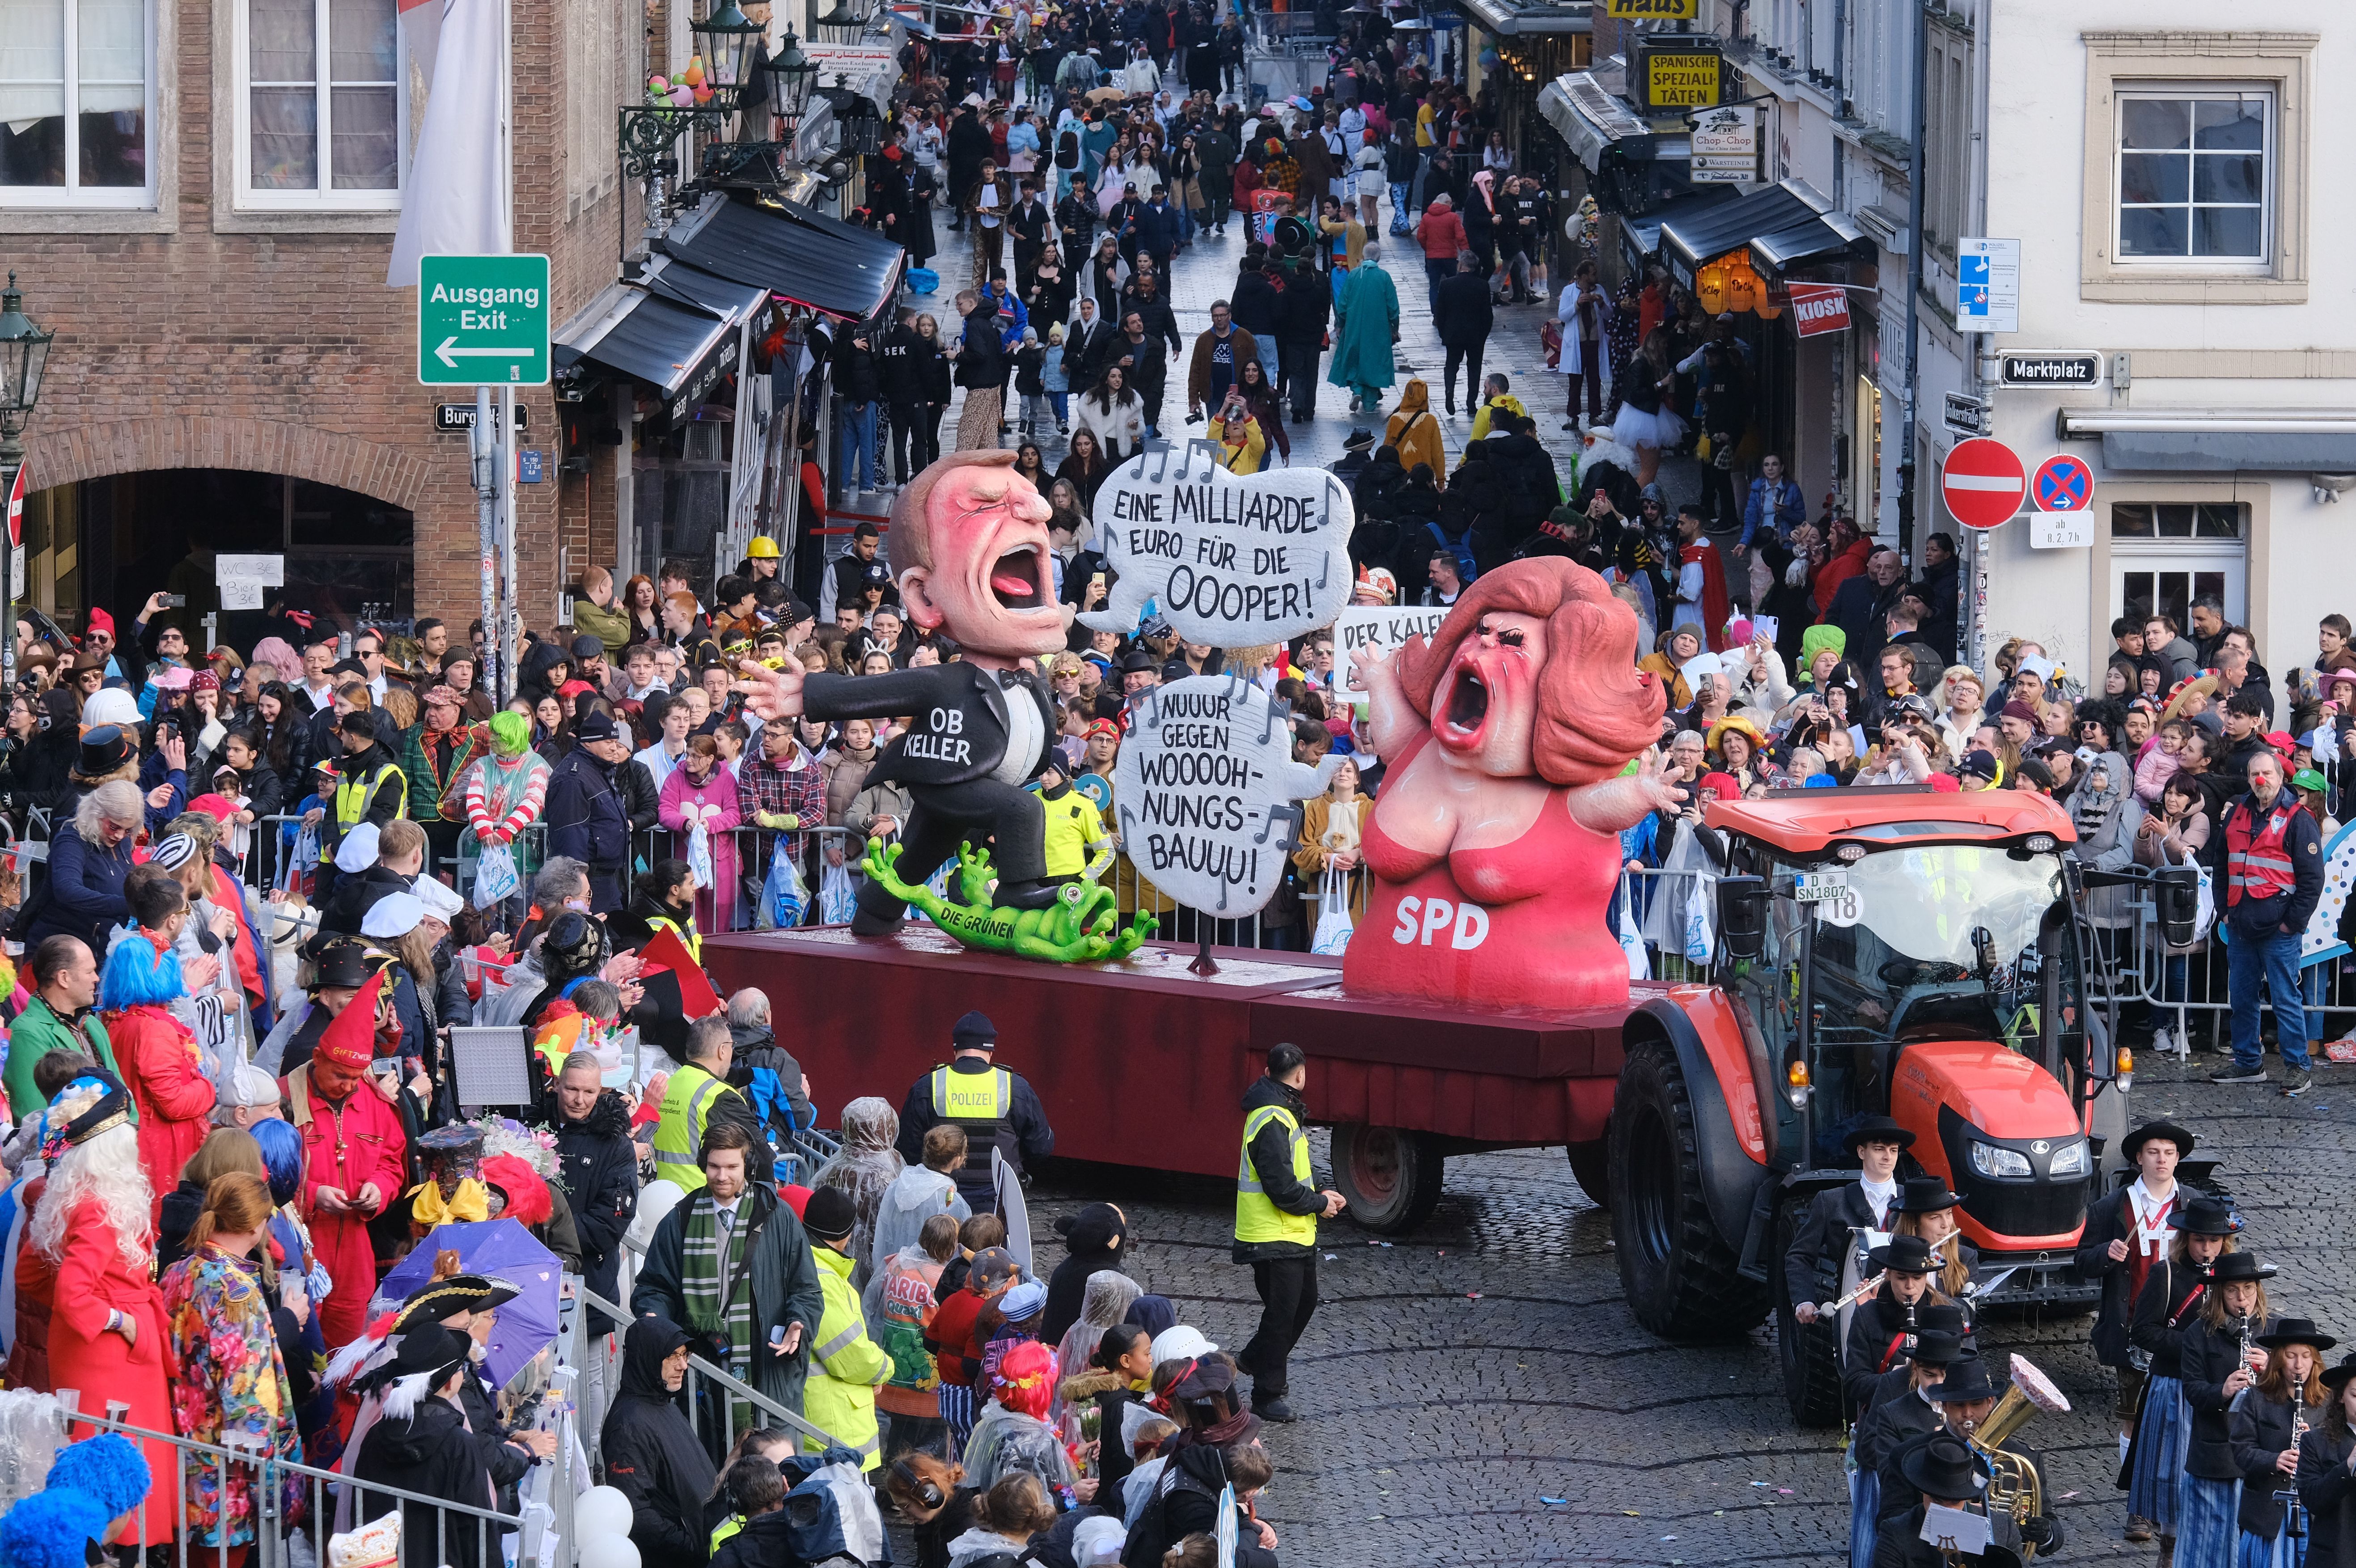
2062	483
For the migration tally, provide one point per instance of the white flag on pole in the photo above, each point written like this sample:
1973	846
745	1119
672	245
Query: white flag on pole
456	199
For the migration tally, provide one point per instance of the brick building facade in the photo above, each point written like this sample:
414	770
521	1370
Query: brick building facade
213	336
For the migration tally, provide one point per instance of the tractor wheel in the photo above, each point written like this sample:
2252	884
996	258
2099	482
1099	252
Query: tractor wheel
1810	1352
1676	1272
1591	1166
1391	1177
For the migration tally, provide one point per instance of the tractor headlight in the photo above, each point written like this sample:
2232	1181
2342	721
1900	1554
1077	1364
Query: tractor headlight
1991	1161
2070	1159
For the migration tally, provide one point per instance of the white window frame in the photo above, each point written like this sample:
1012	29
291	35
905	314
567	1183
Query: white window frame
2260	264
325	198
73	196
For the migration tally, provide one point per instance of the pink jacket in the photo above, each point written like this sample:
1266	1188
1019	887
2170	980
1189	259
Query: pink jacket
716	799
2152	774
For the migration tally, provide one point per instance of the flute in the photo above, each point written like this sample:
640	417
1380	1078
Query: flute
1869	1286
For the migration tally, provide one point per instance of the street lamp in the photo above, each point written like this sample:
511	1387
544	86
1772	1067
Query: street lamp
796	73
726	41
863	129
23	355
842	21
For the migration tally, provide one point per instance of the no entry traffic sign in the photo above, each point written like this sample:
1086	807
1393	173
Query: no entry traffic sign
1983	482
2063	483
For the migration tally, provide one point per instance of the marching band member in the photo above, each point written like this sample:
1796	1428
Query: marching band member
1966	1398
1898	1412
2264	1425
1927	1209
2171	1294
1838	1213
2327	1472
1941	1469
1882	1330
2127	1232
2219	1360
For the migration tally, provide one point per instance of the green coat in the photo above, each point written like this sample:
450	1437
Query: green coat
611	628
37	1032
1365	323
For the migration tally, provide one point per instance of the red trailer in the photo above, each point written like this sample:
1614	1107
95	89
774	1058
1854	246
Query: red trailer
1144	1063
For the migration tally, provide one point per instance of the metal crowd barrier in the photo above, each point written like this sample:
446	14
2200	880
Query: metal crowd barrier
2187	991
712	1392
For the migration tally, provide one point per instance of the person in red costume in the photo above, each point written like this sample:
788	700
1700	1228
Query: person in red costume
1702	580
160	1065
106	1327
1493	842
354	1150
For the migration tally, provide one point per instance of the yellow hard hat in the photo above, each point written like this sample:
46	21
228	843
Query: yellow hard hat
762	548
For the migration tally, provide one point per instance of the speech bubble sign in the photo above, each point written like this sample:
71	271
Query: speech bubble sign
1209	795
1384	627
1231	559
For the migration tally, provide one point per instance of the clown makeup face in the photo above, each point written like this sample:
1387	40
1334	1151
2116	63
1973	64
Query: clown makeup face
1485	714
989	582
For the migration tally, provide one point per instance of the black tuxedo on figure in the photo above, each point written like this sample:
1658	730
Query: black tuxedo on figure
954	761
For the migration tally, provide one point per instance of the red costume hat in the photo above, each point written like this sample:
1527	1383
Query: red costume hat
349	1040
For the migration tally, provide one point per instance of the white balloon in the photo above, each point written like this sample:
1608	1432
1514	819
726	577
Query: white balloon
608	1551
656	1199
600	1510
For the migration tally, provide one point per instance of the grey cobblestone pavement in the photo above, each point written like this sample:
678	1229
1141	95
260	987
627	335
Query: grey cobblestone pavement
1454	1379
1433	1423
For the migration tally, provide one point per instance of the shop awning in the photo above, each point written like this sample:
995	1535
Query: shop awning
641	335
676	281
1590	119
1797	220
1527	18
2296	441
814	261
1641	237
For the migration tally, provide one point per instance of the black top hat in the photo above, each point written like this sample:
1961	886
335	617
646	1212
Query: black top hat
449	1156
2134	1141
1934	1317
2235	1266
1358	440
1937	1348
429	1349
2205	1217
2294	1331
103	750
1903	1255
1925	1194
1876	1130
438	1300
344	963
1967	1378
2339	1375
1941	1467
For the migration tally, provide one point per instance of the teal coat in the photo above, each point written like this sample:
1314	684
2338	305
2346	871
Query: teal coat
1364	322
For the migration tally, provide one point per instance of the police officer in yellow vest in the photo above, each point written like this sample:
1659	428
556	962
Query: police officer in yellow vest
699	1094
845	1364
997	1108
370	788
1277	1205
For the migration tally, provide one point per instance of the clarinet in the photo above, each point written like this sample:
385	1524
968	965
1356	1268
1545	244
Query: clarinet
2293	1511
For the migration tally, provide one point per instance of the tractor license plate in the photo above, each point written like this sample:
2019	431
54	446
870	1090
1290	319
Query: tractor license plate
1819	887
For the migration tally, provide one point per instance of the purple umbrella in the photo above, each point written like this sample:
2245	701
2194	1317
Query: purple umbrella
503	1249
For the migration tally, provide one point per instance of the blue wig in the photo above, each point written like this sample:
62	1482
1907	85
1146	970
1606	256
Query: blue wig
52	1529
108	1469
282	1157
137	975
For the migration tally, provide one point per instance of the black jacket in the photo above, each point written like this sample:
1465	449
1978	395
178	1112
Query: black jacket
2164	1311
597	1166
1097	1238
384	805
972	698
981	360
1257	306
1160	324
1083	352
2327	1489
1271	1158
1024	1139
588	818
897	359
1185	1500
2112	1218
858	374
354	896
1882	1431
429	1454
1879	1336
1463	311
1820	1247
2209	1356
757	1047
1141	362
653	1456
1308	307
2259	1430
641	800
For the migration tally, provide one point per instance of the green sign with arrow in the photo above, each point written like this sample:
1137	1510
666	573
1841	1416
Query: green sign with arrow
482	319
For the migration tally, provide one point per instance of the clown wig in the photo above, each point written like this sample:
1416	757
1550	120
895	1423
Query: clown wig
282	1157
138	976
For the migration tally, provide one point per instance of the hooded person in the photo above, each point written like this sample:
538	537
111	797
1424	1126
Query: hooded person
420	1444
864	1166
1104	1302
652	1454
915	1196
1098	1237
1216	1447
2106	813
1012	1435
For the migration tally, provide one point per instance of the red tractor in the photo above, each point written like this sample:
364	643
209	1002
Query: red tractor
1900	951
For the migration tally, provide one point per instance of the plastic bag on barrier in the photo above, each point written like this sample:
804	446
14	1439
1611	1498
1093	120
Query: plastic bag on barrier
837	895
1631	941
1334	922
299	862
699	856
495	877
2204	912
784	894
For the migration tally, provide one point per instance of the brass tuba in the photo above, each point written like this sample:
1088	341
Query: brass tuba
2013	1483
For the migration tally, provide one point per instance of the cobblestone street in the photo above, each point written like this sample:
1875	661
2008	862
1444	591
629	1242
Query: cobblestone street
1455	1379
